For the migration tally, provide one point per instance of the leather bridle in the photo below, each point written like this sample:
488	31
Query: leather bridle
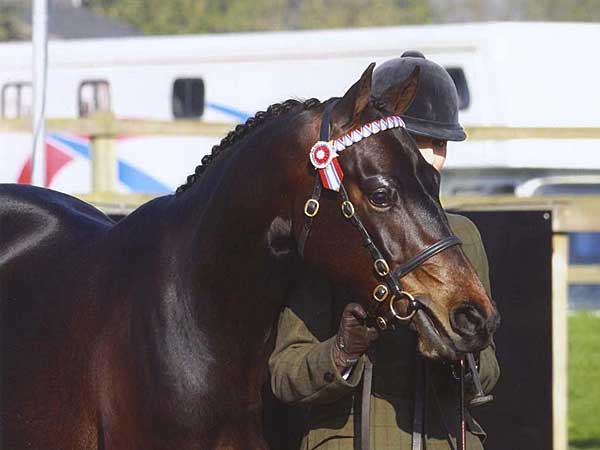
391	288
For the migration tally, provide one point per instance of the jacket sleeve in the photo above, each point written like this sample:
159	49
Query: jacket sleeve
489	370
301	365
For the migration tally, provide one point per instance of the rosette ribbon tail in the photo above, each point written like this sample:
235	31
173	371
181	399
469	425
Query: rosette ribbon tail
332	175
323	157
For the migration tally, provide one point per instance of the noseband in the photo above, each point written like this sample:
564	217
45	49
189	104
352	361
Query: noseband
391	288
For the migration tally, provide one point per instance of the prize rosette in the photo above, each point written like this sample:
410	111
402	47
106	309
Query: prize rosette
324	158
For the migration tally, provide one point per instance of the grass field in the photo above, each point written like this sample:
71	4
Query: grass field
584	381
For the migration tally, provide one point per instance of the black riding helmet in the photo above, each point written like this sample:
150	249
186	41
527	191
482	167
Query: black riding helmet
434	111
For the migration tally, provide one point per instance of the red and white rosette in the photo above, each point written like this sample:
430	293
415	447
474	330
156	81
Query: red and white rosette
324	158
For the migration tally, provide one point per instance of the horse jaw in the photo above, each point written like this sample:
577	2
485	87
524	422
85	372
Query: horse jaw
431	343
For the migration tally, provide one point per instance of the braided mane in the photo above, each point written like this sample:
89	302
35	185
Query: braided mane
240	131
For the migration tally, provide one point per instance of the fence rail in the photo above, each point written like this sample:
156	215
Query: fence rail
109	125
584	274
104	129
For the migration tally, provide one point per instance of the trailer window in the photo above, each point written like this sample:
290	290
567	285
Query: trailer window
17	100
460	81
93	96
188	98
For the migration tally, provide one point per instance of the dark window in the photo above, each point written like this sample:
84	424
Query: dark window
188	98
460	81
17	99
93	96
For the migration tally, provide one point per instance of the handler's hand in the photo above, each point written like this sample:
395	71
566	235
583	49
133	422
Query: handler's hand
353	338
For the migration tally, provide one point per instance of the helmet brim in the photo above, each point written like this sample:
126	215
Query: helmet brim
435	130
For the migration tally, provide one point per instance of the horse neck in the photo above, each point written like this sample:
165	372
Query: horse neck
242	249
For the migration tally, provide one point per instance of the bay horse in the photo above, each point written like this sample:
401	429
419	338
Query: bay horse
152	333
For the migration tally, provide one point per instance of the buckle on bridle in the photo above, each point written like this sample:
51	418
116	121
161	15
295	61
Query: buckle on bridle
381	323
380	292
348	209
311	207
381	267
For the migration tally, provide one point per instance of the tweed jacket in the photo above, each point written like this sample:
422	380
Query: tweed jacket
303	372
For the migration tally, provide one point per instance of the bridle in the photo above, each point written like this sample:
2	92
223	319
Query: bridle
390	289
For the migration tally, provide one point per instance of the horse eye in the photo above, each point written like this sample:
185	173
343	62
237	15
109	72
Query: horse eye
380	198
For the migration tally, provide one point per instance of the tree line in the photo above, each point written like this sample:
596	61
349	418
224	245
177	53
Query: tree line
206	16
213	16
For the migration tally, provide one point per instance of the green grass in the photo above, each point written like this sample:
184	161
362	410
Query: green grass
584	381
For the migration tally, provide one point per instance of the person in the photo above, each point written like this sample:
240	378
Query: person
308	367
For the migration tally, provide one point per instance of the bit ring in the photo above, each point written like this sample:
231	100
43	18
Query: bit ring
395	313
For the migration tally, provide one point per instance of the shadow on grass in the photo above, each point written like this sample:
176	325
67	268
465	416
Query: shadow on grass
585	444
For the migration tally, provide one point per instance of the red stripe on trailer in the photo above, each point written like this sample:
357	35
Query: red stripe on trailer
56	159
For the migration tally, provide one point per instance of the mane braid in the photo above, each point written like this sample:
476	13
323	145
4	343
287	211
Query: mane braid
240	131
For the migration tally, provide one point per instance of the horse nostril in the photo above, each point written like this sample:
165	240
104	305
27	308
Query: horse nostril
466	320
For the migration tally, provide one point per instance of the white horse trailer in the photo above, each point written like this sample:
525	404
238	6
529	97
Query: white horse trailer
507	75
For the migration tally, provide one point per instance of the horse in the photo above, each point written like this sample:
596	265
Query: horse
153	332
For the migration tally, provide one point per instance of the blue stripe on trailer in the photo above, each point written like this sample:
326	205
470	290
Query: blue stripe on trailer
78	147
138	181
229	111
133	178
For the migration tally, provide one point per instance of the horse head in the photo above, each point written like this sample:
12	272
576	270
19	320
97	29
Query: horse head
378	226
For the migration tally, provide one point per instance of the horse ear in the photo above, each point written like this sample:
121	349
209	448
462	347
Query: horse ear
355	100
398	97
